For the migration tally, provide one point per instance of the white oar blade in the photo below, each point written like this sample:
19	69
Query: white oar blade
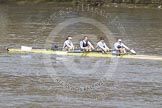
25	48
132	51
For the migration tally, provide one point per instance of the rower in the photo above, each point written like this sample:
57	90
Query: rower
119	46
68	45
86	45
101	45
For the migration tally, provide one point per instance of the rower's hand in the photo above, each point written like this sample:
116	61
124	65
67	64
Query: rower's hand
72	48
104	49
108	49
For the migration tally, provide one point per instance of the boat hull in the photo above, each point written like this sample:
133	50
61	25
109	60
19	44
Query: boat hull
88	54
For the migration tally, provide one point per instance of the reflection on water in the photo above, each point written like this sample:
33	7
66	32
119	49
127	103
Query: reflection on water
79	81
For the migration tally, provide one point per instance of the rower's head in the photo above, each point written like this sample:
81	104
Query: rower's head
102	39
119	40
85	38
69	38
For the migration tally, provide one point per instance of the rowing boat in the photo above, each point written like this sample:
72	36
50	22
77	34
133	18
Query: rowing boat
88	54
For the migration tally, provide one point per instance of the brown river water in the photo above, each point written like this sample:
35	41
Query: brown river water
29	80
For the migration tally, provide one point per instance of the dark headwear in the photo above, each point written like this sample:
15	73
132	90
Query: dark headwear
68	37
101	38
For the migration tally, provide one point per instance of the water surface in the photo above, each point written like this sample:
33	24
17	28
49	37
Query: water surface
39	80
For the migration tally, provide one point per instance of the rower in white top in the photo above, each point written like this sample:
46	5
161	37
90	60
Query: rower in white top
86	45
101	45
119	46
68	45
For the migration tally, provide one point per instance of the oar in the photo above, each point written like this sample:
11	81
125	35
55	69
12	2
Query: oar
132	51
26	48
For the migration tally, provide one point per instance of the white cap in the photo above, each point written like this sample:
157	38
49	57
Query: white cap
119	40
70	37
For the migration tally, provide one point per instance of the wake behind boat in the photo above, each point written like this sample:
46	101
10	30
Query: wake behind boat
25	49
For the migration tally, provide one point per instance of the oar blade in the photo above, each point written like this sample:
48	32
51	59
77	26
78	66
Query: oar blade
132	51
26	48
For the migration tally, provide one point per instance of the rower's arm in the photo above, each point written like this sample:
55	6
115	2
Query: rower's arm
100	45
116	46
67	44
89	43
72	45
125	47
106	46
81	45
64	45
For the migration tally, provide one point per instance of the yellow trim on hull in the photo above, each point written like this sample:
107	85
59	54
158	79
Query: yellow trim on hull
89	54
